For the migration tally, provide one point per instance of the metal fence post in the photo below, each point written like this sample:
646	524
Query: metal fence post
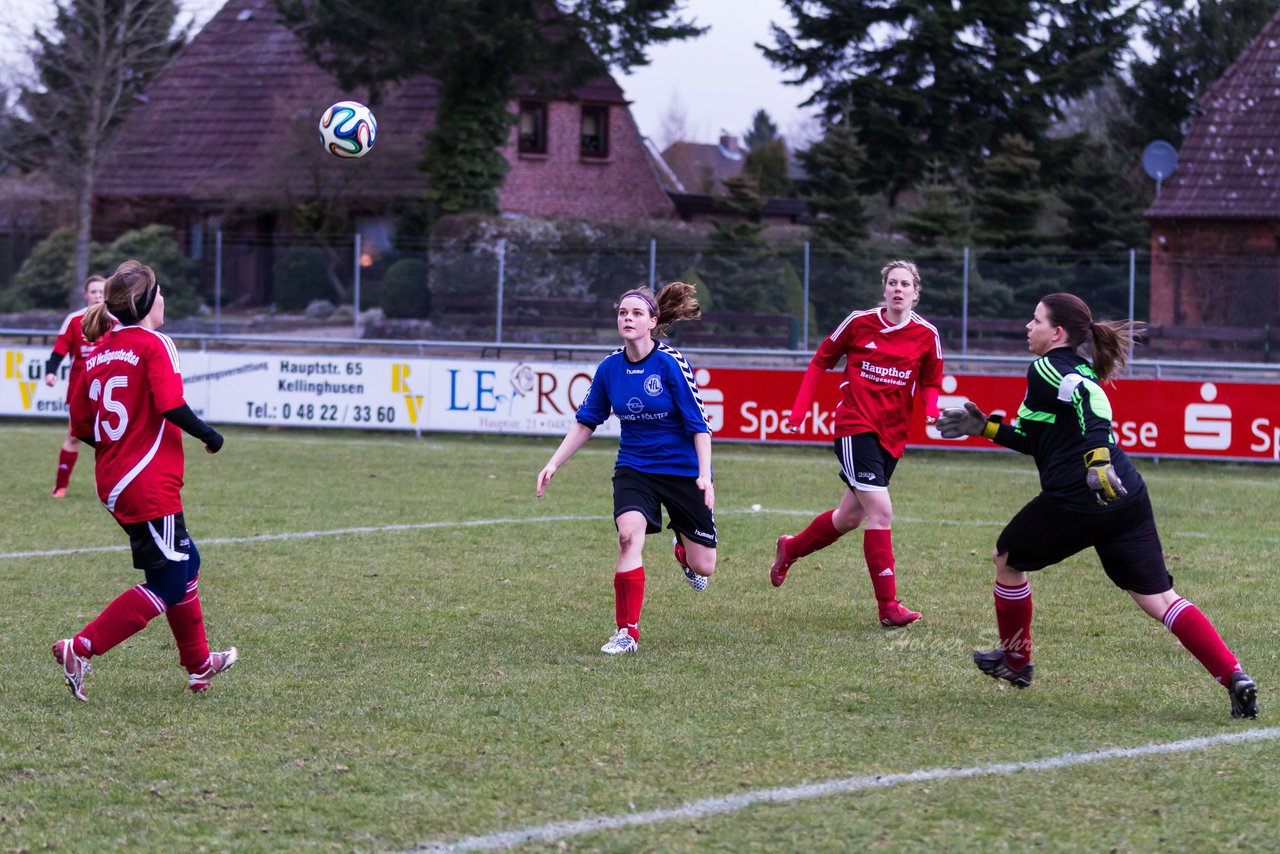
805	307
964	310
653	263
217	283
355	291
1132	279
502	275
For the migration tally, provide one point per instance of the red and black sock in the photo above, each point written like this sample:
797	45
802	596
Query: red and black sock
66	462
127	615
1013	620
877	548
820	534
628	598
1194	631
186	621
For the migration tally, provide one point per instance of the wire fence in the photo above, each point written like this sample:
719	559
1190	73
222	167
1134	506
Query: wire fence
782	297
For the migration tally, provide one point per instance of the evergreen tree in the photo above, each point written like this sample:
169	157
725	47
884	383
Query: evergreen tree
942	217
739	262
1009	197
484	53
767	166
833	177
925	79
761	132
1101	212
89	67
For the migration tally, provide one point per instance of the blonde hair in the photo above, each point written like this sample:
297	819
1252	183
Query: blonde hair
129	290
910	267
90	280
676	301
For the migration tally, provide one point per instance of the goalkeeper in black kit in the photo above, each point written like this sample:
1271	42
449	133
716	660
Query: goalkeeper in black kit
1090	495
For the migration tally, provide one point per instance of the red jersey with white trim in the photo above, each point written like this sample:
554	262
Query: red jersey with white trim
885	368
131	379
71	342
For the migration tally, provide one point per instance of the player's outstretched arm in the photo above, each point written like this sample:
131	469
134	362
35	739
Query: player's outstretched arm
577	436
193	424
969	421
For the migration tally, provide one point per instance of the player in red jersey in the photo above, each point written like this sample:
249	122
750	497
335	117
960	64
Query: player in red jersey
128	405
71	342
891	355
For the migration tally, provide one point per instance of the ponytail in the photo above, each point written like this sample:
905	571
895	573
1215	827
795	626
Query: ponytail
1110	339
676	301
95	322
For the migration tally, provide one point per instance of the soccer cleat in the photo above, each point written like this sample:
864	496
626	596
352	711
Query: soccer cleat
74	667
219	662
696	581
781	563
1244	695
621	643
894	615
59	492
993	664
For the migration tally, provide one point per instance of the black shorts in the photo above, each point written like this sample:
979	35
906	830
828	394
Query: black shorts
864	463
1126	540
158	541
649	493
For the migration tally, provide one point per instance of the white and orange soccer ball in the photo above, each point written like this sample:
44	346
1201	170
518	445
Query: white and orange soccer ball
348	130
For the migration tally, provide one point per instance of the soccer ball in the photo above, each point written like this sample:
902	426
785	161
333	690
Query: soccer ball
348	129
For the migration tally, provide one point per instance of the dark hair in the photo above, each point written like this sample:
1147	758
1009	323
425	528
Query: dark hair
128	296
1109	339
676	301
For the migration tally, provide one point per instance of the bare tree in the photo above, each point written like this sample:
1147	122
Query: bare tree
88	67
675	122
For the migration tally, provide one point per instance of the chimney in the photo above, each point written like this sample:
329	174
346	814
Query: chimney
729	142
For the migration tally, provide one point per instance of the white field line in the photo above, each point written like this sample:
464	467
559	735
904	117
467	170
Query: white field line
733	803
480	523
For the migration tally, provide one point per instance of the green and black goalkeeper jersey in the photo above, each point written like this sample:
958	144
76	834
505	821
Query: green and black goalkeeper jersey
1065	414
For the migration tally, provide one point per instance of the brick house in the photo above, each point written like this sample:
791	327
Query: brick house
695	174
1215	228
226	137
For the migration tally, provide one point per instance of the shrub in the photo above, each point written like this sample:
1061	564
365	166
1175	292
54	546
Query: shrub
301	275
154	246
405	292
46	279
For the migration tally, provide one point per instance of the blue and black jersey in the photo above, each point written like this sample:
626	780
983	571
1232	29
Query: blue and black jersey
1065	414
657	402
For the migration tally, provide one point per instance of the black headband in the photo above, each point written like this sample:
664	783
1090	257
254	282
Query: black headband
144	307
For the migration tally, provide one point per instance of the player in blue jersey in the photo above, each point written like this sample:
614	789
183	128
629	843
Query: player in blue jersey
664	456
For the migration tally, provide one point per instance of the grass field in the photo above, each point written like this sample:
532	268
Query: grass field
419	664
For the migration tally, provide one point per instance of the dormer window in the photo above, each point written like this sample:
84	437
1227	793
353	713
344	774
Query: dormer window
533	127
595	131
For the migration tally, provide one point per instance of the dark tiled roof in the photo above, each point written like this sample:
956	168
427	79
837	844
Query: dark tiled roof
1229	163
233	119
701	167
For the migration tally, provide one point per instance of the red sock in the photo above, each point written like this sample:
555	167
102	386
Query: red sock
127	615
820	534
66	462
877	548
628	597
1201	639
1013	620
186	621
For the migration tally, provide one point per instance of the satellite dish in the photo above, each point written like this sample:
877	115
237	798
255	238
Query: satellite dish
1159	159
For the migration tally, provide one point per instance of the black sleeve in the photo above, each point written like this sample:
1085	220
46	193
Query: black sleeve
191	423
51	366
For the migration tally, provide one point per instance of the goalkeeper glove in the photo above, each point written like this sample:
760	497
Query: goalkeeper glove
970	421
1101	477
